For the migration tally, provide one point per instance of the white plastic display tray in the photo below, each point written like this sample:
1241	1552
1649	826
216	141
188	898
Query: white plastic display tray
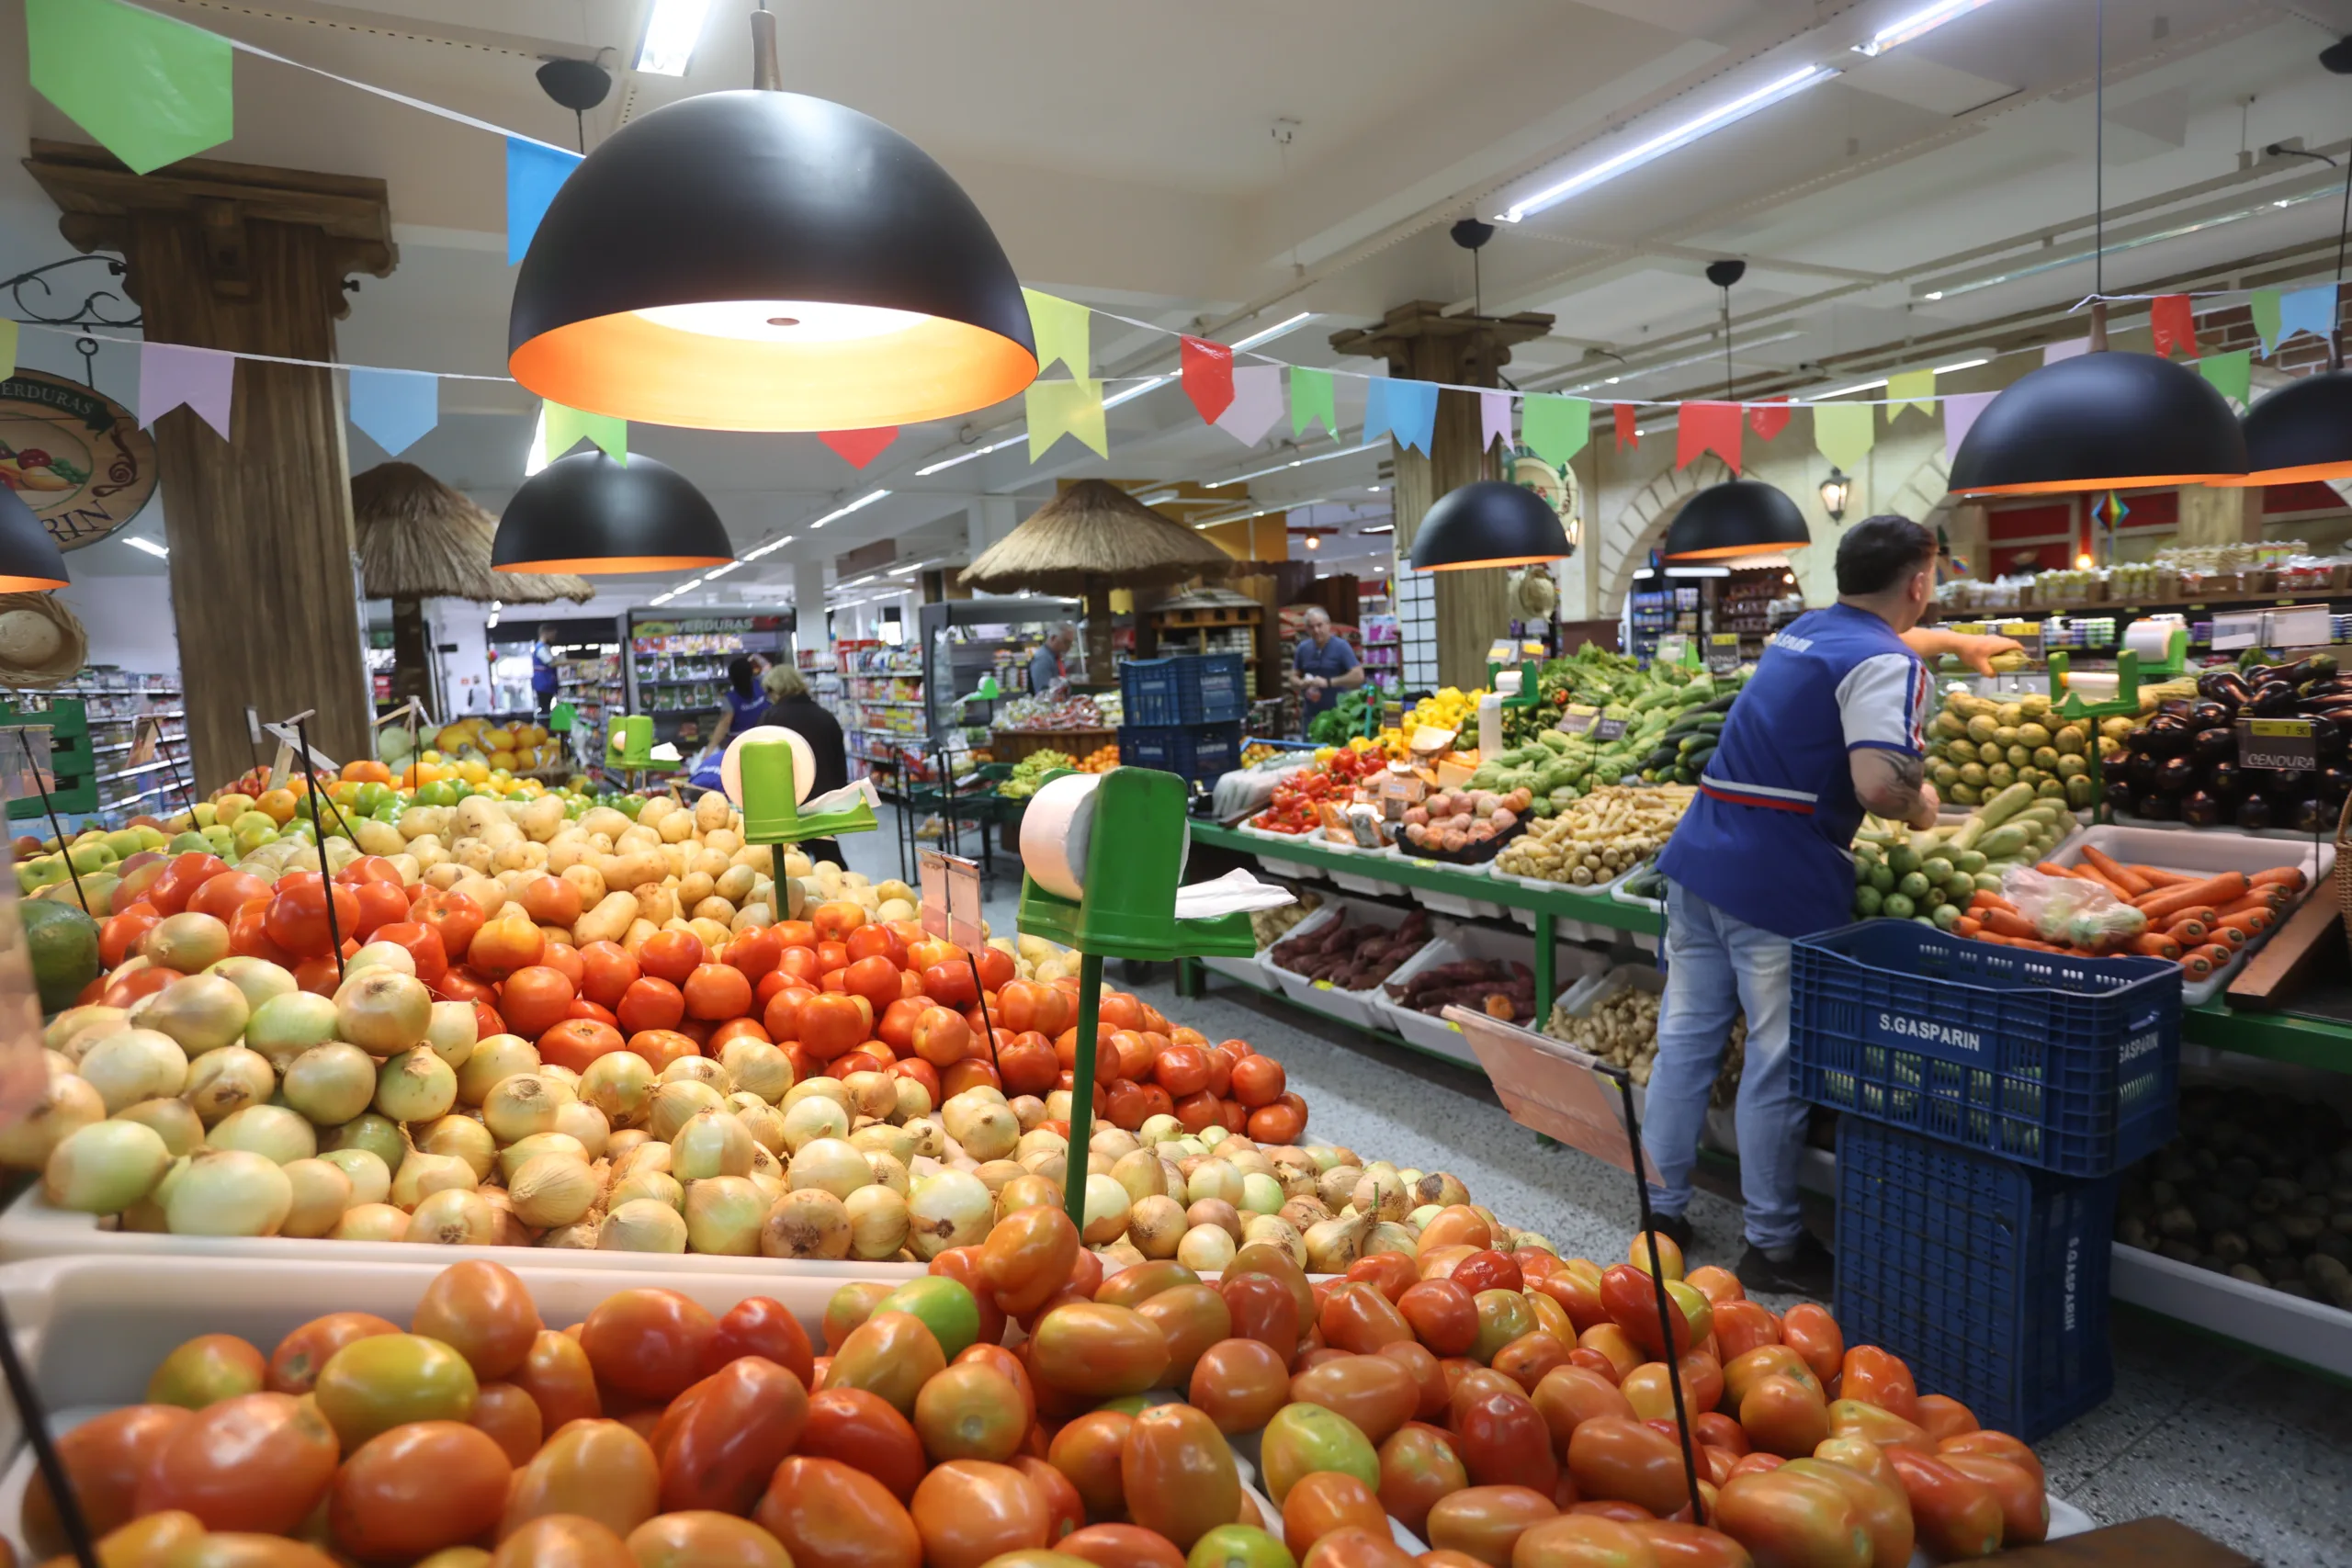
1272	861
1348	1007
2312	1333
1571	965
31	1229
1250	971
2209	852
1449	903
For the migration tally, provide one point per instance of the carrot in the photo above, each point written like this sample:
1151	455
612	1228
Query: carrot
2226	888
2155	944
2155	878
2190	930
1966	926
2007	923
2252	900
2256	921
2049	868
2204	912
2084	873
1981	899
2231	934
2196	965
2115	871
2222	953
2287	876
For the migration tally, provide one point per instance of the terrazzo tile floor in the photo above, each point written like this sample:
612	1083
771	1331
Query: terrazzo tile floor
2253	1453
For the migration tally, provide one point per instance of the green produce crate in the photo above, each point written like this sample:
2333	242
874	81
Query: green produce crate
72	768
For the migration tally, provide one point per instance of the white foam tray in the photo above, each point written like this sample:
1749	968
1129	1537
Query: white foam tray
1570	965
1272	861
2312	1333
1348	1007
1449	903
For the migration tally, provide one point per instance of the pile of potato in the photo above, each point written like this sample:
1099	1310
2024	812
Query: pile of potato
1598	838
1622	1030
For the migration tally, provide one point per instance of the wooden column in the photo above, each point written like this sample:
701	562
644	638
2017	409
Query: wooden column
1421	342
265	580
2215	517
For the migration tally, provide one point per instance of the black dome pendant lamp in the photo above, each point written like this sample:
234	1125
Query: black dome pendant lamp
587	514
29	559
1738	517
2106	419
2303	431
767	261
1491	523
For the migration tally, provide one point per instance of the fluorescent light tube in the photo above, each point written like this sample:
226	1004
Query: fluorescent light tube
536	458
1277	329
671	34
975	452
1681	136
1138	391
859	504
1920	24
150	547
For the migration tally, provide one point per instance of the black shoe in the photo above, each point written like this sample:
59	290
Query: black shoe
1675	1228
1809	1271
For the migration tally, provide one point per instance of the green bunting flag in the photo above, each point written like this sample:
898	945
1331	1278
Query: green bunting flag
2264	304
1556	428
1310	400
1061	328
566	427
2230	374
1067	407
151	89
1844	433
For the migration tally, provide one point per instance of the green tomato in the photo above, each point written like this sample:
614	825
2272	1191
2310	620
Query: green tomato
1913	887
374	1384
1960	887
1904	859
1935	869
1883	878
946	1307
1239	1546
1897	907
1946	916
1867	901
629	805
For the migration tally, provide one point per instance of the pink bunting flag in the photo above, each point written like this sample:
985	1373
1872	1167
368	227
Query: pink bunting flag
1707	427
1769	418
1257	403
1207	369
1494	419
2174	324
172	375
859	447
1629	437
1961	410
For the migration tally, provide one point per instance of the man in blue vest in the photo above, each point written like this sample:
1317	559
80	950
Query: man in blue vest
1831	725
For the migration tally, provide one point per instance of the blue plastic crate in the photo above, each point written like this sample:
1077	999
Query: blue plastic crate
1989	1280
1187	688
2071	1064
1200	752
1150	693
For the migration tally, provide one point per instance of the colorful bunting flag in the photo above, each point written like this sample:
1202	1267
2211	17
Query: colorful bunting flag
1494	420
1628	434
1911	390
1311	400
2230	374
1061	328
1769	418
1961	410
1257	403
534	172
568	427
396	408
1556	428
171	375
151	89
2264	306
1208	376
2173	322
1066	408
859	447
1844	433
1707	427
8	349
2053	353
1402	409
2309	311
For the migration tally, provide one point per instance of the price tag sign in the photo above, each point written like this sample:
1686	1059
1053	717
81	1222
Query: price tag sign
1502	651
1723	652
2236	628
2276	743
1607	730
1673	648
1578	719
933	873
2306	626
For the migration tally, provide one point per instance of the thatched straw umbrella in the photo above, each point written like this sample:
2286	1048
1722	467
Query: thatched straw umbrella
1092	538
418	540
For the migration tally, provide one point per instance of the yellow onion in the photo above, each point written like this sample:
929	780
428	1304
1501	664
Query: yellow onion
986	1128
203	1012
642	1224
422	1175
228	1192
1218	1212
586	1123
173	1121
1040	1141
764	1122
1107	1208
135	1064
1158	1130
813	1223
1141	1174
620	1084
331	1083
493	1061
951	1208
284	1027
871	1094
931	1138
1205	1249
522	1151
551	1191
813	1119
678	1102
373	1133
1215	1179
723	1216
648	1186
701	1070
382	1011
371	1222
712	1143
268	1130
1028	1192
625	1140
452	1032
648	1155
1027	1109
105	1167
455	1216
815	1088
757	1068
888	1171
1155	1225
914	1100
1260	1194
462	1137
520	1105
562	1077
380	955
828	1164
579	1237
322	1192
227	1080
877	1223
415	1086
371	1179
259	979
1275	1232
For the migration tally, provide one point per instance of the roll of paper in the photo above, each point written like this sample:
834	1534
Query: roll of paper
804	762
1055	831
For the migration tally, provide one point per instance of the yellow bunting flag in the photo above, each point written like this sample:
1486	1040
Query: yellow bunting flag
1912	389
1066	408
8	349
1844	433
566	427
1061	329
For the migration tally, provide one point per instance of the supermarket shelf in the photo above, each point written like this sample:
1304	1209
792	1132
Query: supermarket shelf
2322	1042
133	772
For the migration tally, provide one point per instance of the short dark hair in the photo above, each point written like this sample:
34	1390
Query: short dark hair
743	677
1879	552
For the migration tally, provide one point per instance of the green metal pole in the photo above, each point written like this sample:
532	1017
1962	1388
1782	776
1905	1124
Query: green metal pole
1082	1089
780	906
1542	966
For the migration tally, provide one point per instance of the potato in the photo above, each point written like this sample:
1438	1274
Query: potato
602	843
708	861
377	838
591	882
735	882
418	819
894	888
725	842
712	908
656	807
639	837
895	909
694	888
754	856
603	819
797	863
634	870
485	892
429	854
476	813
639	932
566	850
677	828
750	917
712	812
609	920
522	855
410	868
655	902
543	818
714	935
476	855
675	858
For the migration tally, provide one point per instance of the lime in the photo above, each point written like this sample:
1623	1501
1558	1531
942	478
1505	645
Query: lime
1239	1546
64	945
946	1307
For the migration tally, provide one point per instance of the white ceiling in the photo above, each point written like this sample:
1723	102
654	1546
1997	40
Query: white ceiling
1126	154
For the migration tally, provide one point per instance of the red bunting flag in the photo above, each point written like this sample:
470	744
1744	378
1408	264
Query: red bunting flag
1208	377
1627	436
2175	325
1707	427
859	447
1769	418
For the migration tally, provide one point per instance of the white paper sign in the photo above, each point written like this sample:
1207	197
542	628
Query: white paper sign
2236	628
2305	625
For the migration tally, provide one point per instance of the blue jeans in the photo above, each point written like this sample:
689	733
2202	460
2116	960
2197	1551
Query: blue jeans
1715	967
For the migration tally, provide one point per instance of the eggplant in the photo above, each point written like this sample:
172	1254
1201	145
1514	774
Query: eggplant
2175	775
2272	699
2157	807
2334	686
2310	815
2223	686
2336	782
2200	808
2286	784
2139	769
2120	795
2138	743
2254	813
2166	737
2218	744
2226	779
2332	733
2319	667
2176	707
2206	714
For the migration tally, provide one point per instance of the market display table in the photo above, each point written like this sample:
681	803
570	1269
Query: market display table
1011	745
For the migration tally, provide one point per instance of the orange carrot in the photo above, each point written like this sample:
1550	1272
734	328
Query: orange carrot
1966	926
2155	878
2222	953
2086	873
2256	921
2115	871
2196	965
2252	900
2049	868
2007	923
2155	944
2226	888
2288	876
2204	912
2232	935
1981	900
2190	930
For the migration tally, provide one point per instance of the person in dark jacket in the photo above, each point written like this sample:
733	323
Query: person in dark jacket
790	704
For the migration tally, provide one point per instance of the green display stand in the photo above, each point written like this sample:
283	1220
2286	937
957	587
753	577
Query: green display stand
628	746
561	717
2069	704
1134	861
771	806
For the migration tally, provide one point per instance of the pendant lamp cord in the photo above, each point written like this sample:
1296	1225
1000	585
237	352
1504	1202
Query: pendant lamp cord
2099	148
1728	396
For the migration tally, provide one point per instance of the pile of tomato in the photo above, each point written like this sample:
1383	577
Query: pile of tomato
839	992
1511	1410
1298	799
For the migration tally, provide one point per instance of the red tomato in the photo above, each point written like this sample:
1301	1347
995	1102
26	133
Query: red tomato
716	992
534	999
297	919
1957	1516
832	1024
650	1003
737	1425
648	1343
225	892
380	903
259	1463
104	1458
606	970
182	877
122	935
671	955
1504	1442
1258	1080
1879	1377
575	1043
757	1325
418	1488
421	943
864	1431
454	915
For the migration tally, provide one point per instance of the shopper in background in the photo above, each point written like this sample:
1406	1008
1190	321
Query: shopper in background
742	704
1045	667
790	704
1831	725
1325	667
543	676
